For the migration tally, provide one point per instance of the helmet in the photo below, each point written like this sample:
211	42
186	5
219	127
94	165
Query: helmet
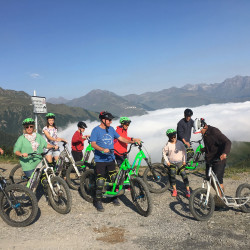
171	132
28	121
125	120
81	125
105	115
188	112
50	116
199	124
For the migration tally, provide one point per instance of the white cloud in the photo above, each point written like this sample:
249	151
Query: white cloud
232	119
34	75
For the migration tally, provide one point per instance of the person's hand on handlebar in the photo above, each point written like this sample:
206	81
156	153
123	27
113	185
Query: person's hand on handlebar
106	150
136	140
24	155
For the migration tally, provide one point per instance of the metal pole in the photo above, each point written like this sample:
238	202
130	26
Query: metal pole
36	123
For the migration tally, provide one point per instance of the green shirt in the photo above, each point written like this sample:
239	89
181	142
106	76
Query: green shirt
24	146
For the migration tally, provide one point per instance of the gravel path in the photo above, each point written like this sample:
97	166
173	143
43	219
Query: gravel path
170	226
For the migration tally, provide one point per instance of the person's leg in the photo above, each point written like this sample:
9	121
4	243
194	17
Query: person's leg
77	155
100	173
183	174
28	173
219	169
112	175
173	179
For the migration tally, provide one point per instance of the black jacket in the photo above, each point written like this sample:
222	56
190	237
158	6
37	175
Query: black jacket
215	143
184	129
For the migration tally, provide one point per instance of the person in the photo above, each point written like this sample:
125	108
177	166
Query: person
102	140
77	142
174	154
30	142
184	128
120	146
50	132
217	147
1	151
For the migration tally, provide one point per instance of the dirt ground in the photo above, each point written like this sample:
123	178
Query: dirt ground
170	226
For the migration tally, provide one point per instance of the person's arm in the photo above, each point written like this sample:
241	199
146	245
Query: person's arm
165	151
95	146
49	146
223	140
134	140
181	133
184	154
1	151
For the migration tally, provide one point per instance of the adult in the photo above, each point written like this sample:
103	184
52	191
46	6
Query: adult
50	132
217	146
184	128
102	140
77	141
30	142
120	146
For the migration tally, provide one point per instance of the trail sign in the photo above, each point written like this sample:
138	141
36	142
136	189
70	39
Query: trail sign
39	104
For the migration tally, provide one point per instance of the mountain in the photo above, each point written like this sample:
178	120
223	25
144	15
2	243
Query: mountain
16	106
236	89
59	100
98	100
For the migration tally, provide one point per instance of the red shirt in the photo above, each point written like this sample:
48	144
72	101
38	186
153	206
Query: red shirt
77	142
121	147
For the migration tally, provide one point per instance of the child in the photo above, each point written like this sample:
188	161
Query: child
77	142
174	154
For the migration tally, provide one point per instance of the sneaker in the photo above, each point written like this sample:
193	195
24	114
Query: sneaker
116	202
188	193
99	207
174	194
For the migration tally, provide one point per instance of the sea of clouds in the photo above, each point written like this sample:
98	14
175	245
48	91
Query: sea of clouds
233	119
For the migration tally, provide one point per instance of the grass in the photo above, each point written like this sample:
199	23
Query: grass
8	159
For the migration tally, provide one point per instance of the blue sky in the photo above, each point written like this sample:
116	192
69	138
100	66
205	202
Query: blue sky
68	48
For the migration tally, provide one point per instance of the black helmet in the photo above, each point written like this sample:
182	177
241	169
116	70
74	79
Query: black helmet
81	125
105	115
188	112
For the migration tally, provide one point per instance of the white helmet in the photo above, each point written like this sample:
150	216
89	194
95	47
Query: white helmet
199	124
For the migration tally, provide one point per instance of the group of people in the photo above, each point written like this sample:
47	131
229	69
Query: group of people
217	147
110	146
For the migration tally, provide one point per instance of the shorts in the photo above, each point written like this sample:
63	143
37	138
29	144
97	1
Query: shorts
53	153
219	169
77	155
103	168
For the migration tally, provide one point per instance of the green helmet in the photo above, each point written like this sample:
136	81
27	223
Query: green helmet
171	132
28	121
50	115
124	120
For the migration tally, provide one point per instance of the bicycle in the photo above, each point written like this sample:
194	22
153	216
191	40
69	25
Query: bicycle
124	178
18	204
194	158
55	187
67	167
155	175
202	204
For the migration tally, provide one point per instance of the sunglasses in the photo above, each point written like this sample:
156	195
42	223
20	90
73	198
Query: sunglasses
29	126
173	137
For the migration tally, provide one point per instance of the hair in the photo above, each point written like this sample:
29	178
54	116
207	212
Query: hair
54	124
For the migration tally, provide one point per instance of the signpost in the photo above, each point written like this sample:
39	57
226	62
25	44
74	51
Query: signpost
39	105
